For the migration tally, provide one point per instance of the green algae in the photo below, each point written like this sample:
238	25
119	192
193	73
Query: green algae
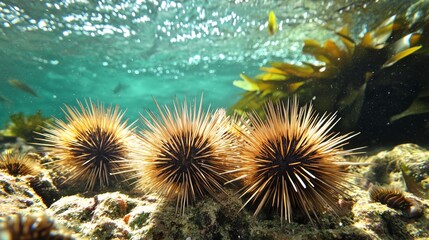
140	220
26	126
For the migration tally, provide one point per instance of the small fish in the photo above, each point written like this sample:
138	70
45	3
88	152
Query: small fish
22	86
119	88
412	185
272	23
5	99
354	6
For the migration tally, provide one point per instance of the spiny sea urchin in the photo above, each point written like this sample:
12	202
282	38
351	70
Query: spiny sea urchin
92	145
31	227
291	162
17	163
186	150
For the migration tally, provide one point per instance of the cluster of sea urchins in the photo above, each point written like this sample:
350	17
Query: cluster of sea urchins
288	161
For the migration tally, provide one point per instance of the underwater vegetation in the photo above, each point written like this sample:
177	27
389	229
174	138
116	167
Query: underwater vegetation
373	83
31	227
25	127
291	161
393	197
17	163
91	145
186	150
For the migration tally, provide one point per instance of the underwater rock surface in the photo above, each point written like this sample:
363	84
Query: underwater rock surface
106	216
405	166
17	196
134	215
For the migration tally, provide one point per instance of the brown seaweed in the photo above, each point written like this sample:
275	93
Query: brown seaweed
355	78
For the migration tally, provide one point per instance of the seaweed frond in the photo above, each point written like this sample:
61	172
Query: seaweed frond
26	126
347	75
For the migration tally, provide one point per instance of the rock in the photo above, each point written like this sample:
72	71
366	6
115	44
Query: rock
382	222
44	187
105	216
129	215
17	143
16	196
5	139
207	219
405	166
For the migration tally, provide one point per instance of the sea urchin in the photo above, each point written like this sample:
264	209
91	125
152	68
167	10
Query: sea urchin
291	162
92	145
31	227
186	150
17	163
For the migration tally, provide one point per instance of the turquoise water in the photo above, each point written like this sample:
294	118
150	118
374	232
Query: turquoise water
127	52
